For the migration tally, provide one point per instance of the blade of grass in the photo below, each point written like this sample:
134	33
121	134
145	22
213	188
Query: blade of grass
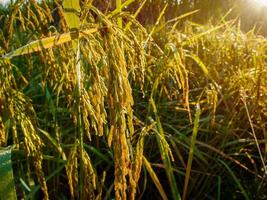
98	153
24	185
176	20
254	135
219	188
135	14
156	24
71	13
49	42
228	157
55	143
37	187
197	36
200	64
191	151
155	179
243	191
119	8
165	153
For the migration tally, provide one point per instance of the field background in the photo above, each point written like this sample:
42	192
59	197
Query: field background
153	99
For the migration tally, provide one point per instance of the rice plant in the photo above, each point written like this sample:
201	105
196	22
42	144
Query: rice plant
105	100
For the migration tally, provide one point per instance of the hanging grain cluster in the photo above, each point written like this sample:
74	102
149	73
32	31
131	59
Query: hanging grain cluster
22	115
94	74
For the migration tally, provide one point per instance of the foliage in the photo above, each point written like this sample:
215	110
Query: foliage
92	97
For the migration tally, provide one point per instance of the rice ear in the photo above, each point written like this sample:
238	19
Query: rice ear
72	172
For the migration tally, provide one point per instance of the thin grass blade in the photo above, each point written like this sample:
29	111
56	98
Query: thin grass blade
49	42
191	151
166	154
200	64
243	191
154	178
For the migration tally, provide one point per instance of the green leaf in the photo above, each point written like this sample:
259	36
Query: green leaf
119	8
191	151
71	13
156	24
7	186
200	35
54	142
238	183
165	153
136	14
49	42
155	179
200	64
37	187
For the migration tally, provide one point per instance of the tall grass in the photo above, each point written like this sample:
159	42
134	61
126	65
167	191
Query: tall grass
91	97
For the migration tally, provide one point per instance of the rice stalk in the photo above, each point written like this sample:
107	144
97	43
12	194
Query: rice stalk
155	178
156	24
135	15
191	152
119	8
165	153
255	137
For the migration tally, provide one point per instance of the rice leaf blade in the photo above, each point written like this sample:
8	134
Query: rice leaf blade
200	64
243	191
165	153
48	42
7	185
191	151
155	179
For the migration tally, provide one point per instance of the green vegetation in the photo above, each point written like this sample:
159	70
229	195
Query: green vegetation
106	99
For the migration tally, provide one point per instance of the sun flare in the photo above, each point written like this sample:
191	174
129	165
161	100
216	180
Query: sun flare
261	2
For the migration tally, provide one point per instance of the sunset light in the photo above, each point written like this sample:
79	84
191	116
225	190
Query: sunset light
133	99
261	2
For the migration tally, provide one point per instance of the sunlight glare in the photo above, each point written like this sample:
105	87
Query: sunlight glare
261	2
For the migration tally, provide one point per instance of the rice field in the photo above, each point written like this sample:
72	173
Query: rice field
132	100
